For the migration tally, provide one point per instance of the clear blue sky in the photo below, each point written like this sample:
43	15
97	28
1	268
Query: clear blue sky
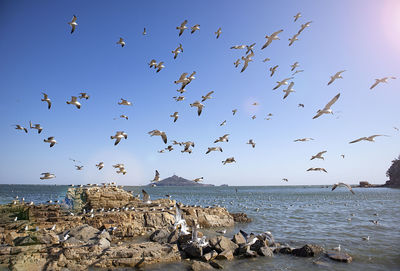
38	53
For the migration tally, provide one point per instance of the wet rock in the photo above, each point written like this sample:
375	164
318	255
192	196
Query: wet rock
193	251
216	264
340	257
321	263
239	239
160	236
221	243
183	240
308	250
209	256
241	218
199	266
265	251
257	245
283	250
225	255
173	237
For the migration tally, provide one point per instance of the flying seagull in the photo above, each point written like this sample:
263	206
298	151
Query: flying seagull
229	160
83	95
327	109
336	76
266	59
246	60
199	107
195	28
369	138
237	63
317	169
198	180
218	33
124	102
121	42
36	126
207	96
78	167
179	98
297	16
283	82
238	47
343	184
46	99
118	136
156	177
100	165
175	116
223	138
285	180
303	139
301	105
159	133
250	48
288	90
274	36
177	51
318	155
169	148
182	27
273	70
19	127
50	140
73	24
210	149
293	39
223	123
304	26
294	65
144	31
47	176
252	143
74	101
382	80
234	111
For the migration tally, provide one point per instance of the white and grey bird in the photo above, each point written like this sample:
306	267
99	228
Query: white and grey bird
199	106
182	27
318	156
252	143
210	149
179	98
187	146
223	123
153	63
303	139
369	138
47	176
293	39
46	99
249	238
237	63
100	165
295	65
118	136
266	59
246	59
382	80
19	127
297	16
144	31
124	102
327	109
285	180
336	76
121	42
169	148
250	48
273	70
175	116
146	197
207	96
238	47
73	24
122	170
36	126
282	82
297	71
274	36
156	177
344	185
84	95
159	133
224	138
218	33
160	66
234	111
177	51
304	26
198	179
78	167
195	28
74	101
288	90
50	140
229	160
317	169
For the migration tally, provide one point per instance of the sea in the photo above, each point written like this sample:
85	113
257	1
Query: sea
295	215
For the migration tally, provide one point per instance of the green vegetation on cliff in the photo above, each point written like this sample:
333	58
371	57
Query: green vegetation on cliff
394	173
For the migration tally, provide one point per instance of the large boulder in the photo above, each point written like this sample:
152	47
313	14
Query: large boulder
241	218
340	257
308	250
209	256
265	251
160	236
225	255
221	243
193	251
200	266
239	239
84	233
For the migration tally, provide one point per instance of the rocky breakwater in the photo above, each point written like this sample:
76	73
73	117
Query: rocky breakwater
100	230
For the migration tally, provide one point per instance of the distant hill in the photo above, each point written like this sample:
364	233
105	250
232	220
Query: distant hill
178	181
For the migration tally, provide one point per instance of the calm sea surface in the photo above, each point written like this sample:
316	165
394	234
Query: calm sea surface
295	215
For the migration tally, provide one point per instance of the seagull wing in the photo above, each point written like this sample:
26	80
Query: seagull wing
164	137
331	102
358	140
276	33
146	196
375	84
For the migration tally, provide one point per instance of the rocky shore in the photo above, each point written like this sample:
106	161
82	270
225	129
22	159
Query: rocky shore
109	228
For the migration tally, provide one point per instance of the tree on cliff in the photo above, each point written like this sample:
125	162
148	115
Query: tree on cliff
394	172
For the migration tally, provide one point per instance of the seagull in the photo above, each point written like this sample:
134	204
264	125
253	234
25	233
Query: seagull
283	82
83	95
397	129
118	136
182	79
343	184
182	27
238	47
223	123
327	108
374	222
285	180
234	111
250	48
78	167
73	24
303	139
369	138
198	105
252	143
218	33
188	144
317	169
159	133
274	36
294	65
146	197
293	39
337	248
210	149
246	60
47	176
301	105
223	138
198	180
174	142
74	101
160	66
118	166
122	117
297	16
365	238
297	71
50	140
153	63
124	102
144	32
318	155
161	151
195	28
178	50
229	160
179	98
253	117
100	165
304	26
16	218
273	70
237	63
223	231
121	42
255	104
208	96
382	80
19	127
288	90
156	177
46	99
169	148
121	170
342	155
175	116
336	76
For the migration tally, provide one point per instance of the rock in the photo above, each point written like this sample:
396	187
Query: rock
72	241
25	241
104	234
103	243
216	264
49	238
209	256
225	255
308	250
199	266
340	257
241	218
183	240
173	237
221	243
10	237
239	239
265	251
84	233
257	245
283	250
321	263
193	251
160	236
250	253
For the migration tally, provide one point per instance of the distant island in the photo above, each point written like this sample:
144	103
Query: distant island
175	180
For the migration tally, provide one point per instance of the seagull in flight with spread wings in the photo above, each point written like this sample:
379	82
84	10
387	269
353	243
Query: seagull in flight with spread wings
369	138
327	109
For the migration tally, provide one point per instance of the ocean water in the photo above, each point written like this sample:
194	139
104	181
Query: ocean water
295	215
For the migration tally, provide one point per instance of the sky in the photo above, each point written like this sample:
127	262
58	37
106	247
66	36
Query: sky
38	54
